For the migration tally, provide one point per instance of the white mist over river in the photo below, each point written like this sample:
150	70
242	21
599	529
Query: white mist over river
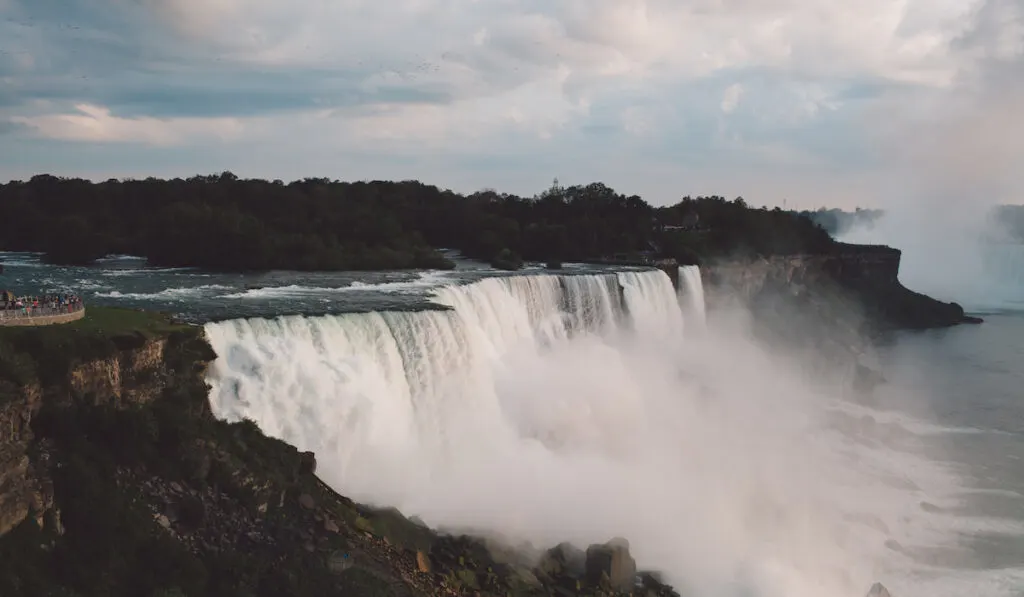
952	253
580	407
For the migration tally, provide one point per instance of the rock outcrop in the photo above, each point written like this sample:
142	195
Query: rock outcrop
867	274
25	490
610	565
126	377
828	309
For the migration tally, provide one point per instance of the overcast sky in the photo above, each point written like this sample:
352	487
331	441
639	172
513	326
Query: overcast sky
816	102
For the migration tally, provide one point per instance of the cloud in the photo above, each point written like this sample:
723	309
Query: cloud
773	99
96	124
966	142
731	97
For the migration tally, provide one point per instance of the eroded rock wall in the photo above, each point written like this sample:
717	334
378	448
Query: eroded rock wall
131	376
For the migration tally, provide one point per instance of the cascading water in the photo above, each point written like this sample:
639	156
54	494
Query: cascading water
691	294
574	408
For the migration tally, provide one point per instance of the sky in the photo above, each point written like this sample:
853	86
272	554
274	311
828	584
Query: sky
802	103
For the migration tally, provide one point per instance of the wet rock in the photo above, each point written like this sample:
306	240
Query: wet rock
524	578
422	562
467	579
197	462
52	521
306	501
307	463
395	529
611	564
564	560
338	562
878	590
651	584
191	512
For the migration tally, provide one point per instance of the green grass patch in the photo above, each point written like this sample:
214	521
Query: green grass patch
115	320
46	354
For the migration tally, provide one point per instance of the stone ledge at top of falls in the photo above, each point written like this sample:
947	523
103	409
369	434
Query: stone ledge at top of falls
115	478
862	279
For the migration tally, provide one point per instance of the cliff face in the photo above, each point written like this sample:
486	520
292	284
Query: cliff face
867	275
23	490
130	377
827	308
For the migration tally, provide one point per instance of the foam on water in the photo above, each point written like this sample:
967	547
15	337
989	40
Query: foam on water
425	280
147	271
550	408
182	293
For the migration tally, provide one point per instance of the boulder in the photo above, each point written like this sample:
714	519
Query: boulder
422	562
564	560
878	590
610	564
339	562
306	501
307	463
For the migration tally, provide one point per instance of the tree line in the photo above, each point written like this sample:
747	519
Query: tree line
224	222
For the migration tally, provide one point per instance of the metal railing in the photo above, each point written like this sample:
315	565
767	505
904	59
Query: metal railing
8	314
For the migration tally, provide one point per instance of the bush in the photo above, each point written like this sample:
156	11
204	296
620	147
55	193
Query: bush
507	260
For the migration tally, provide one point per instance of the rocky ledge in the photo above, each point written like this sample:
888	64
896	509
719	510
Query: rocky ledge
863	279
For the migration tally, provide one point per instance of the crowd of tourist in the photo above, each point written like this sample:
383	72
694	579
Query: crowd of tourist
38	306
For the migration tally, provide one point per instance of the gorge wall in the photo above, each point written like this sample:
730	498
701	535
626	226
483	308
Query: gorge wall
128	372
861	279
828	308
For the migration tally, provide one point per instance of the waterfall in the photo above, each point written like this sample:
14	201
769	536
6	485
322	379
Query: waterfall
549	408
691	294
381	384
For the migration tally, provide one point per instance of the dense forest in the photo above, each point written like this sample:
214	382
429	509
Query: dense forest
224	222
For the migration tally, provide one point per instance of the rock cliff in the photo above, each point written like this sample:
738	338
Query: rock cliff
866	274
23	490
117	480
828	308
126	371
